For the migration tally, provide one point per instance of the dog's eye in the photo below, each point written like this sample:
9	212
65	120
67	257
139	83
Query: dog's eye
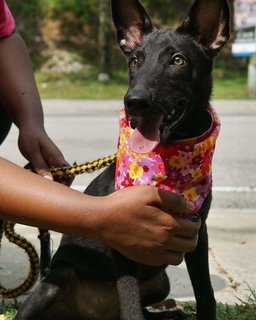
178	60
133	62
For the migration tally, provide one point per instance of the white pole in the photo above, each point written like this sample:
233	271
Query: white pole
252	76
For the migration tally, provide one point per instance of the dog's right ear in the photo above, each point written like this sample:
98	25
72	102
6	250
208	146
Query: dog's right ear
132	23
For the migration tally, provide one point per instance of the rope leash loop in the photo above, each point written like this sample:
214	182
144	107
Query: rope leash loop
8	228
34	270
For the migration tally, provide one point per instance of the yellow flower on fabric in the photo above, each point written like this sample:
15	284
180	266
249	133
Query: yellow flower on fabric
177	162
159	177
212	140
135	171
190	194
196	173
201	148
122	139
137	156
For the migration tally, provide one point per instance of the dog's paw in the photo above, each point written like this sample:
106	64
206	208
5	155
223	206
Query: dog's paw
166	315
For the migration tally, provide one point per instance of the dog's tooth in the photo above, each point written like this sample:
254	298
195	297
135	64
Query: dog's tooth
173	112
122	42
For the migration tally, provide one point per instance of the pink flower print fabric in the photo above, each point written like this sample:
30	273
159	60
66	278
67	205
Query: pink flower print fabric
183	167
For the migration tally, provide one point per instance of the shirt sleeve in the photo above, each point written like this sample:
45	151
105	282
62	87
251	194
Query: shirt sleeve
7	23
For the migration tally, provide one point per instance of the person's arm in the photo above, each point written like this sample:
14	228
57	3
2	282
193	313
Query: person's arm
20	98
128	220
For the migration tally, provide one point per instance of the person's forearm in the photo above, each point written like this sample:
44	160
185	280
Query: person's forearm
18	90
129	220
30	199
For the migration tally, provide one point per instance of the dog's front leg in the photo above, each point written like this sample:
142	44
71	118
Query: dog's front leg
128	291
198	268
128	288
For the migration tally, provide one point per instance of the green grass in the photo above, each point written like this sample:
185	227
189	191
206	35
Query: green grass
230	88
78	89
80	86
9	310
244	310
86	86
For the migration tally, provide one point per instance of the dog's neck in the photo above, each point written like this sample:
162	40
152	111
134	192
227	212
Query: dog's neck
183	166
194	124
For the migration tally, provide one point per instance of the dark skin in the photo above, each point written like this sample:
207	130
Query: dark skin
152	236
23	106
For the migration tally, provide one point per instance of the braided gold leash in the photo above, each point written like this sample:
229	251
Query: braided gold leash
12	236
75	169
20	241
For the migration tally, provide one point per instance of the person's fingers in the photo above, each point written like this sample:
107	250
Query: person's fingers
50	152
186	228
174	258
184	244
168	258
55	158
173	202
40	166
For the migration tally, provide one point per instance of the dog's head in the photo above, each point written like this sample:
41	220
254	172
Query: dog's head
170	70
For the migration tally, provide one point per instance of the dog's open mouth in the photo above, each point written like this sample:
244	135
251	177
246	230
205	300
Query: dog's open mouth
171	120
150	130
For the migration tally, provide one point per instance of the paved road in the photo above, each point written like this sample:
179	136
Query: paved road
86	130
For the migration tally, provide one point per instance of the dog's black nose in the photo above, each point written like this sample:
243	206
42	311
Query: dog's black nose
137	101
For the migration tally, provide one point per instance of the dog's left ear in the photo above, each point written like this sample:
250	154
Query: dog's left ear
132	23
207	22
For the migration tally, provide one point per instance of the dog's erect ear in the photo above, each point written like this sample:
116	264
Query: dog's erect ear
132	23
208	23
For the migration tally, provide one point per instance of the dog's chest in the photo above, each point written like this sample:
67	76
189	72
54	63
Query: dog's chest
183	167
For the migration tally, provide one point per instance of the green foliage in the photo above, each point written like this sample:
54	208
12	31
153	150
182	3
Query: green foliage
27	9
80	8
244	310
9	309
167	12
28	17
230	78
162	11
52	28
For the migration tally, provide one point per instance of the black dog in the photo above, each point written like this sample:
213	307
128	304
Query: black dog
170	75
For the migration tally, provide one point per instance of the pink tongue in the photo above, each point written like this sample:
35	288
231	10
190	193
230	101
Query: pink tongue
146	136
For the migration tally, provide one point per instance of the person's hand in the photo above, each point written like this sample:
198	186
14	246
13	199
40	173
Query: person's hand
36	146
137	225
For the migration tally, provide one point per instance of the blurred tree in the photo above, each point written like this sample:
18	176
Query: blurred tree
231	5
104	44
167	12
28	16
84	28
77	26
